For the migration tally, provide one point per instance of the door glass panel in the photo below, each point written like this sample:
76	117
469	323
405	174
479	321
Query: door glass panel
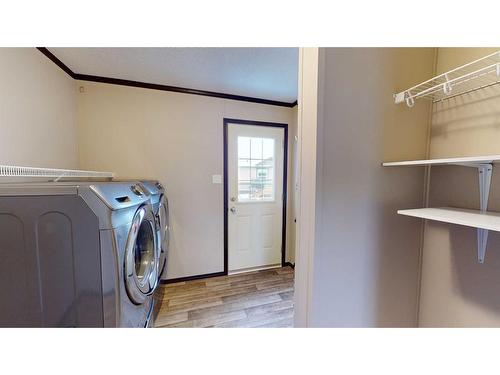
256	161
267	148
256	148
244	147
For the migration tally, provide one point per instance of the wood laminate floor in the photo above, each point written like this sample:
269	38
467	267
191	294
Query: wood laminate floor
256	299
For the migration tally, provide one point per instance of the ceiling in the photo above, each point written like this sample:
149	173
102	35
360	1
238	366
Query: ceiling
266	73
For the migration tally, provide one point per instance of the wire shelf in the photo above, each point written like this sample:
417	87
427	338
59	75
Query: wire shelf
475	75
11	172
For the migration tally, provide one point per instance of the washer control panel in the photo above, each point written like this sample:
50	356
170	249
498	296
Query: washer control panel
120	195
136	190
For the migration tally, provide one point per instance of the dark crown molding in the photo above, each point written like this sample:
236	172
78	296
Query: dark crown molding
56	61
154	86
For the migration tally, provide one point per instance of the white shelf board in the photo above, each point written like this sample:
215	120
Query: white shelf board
469	218
468	160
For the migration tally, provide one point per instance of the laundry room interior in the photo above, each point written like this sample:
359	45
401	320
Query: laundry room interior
253	187
71	118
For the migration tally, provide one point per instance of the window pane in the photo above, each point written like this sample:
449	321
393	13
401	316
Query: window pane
256	148
268	163
267	190
243	169
244	191
261	172
257	191
255	169
255	162
268	148
244	163
269	176
244	147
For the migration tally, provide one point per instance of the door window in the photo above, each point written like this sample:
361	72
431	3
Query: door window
256	166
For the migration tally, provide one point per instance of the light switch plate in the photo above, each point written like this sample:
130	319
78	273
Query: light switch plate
216	179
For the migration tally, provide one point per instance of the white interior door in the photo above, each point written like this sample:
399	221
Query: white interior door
255	195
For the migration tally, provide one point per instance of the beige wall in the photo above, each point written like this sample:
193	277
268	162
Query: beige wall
467	124
37	111
366	258
176	138
456	290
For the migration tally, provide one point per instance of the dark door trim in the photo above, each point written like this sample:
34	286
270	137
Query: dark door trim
228	121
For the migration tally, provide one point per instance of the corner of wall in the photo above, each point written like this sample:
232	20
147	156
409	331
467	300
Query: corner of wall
425	197
40	111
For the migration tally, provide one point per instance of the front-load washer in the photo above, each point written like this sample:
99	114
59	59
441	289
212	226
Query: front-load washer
77	255
159	202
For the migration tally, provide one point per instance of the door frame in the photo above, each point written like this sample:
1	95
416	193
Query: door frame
284	126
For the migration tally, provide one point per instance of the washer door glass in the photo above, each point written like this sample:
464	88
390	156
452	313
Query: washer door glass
144	249
141	264
164	232
163	220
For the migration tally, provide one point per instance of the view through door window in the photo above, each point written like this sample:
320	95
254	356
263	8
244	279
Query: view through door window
255	169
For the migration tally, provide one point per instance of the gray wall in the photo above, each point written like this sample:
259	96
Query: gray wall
366	260
457	291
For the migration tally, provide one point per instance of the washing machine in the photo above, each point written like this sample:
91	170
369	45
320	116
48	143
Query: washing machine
77	255
160	206
159	202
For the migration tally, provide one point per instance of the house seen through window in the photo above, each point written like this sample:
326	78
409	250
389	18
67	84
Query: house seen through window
256	166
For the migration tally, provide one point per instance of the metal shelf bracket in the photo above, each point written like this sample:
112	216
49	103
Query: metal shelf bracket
485	171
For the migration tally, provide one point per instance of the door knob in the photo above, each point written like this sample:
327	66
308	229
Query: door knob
233	210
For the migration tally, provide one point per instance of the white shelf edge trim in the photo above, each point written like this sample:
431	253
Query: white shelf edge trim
477	74
470	218
51	173
467	161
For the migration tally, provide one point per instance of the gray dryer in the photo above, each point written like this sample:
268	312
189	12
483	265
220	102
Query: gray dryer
76	255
